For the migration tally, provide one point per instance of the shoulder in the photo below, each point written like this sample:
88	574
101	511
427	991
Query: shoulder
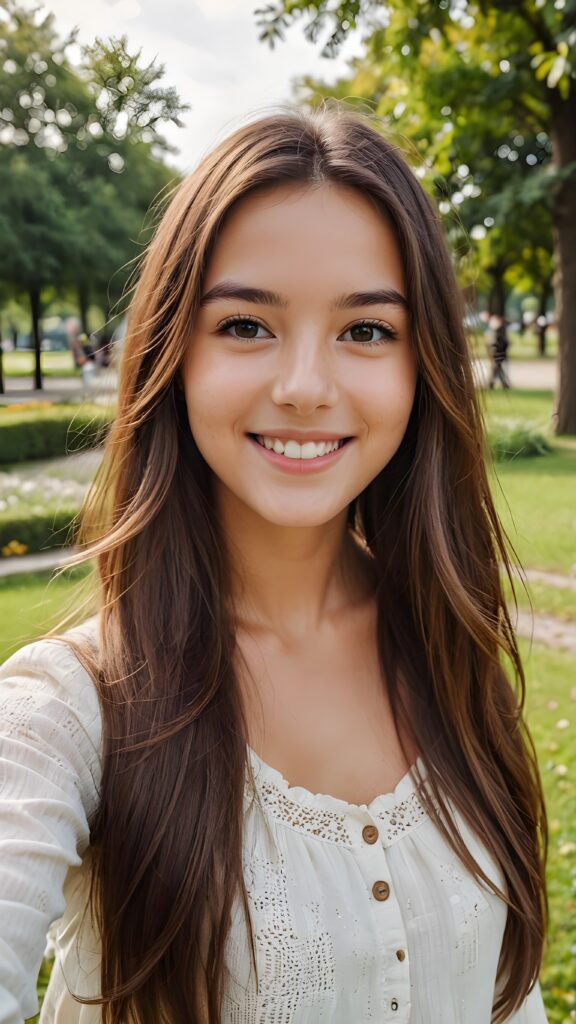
50	672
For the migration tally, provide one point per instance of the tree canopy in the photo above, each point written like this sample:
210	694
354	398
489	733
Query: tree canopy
81	156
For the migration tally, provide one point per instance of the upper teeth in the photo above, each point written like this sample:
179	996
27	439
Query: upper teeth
294	450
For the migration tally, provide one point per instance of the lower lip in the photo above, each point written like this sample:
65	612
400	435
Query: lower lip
299	466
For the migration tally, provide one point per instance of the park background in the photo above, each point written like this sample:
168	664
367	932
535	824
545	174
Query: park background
97	127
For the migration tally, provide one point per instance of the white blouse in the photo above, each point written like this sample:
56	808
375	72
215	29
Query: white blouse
360	912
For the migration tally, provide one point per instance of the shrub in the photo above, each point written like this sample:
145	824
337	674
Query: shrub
39	531
49	431
516	439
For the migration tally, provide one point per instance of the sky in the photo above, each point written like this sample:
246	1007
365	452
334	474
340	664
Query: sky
212	55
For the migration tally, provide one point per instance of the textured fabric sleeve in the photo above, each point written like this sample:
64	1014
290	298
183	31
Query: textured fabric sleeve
50	766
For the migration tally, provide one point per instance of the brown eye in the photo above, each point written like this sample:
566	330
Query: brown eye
245	328
362	332
365	332
242	328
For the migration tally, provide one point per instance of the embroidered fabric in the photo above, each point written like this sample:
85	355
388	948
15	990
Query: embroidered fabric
326	817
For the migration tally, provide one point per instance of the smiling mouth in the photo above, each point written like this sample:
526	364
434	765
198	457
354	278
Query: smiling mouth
291	449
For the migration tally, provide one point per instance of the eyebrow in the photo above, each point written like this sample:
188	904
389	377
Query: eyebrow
263	297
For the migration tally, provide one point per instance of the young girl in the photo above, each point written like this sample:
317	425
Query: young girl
282	776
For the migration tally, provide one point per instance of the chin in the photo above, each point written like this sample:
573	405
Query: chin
298	518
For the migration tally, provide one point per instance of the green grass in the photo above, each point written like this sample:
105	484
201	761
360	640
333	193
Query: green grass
525	346
536	497
543	599
54	364
30	605
522	346
536	500
522	404
551	677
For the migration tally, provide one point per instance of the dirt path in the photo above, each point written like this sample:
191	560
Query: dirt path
551	579
545	629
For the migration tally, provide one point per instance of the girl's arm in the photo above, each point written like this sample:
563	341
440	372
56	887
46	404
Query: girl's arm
50	734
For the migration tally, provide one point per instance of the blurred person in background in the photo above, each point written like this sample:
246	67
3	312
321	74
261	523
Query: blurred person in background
499	346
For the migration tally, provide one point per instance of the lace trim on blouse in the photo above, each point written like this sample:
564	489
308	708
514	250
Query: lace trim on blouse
327	817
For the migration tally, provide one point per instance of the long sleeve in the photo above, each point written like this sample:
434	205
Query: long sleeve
50	737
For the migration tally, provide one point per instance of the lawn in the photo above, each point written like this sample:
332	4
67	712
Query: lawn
522	346
533	405
543	599
536	501
536	497
30	605
551	714
54	364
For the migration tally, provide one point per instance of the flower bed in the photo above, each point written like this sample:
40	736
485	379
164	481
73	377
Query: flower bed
36	513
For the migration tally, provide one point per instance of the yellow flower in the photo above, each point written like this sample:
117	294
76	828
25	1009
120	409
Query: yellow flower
24	406
14	547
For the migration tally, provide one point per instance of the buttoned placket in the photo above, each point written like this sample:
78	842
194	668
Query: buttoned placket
371	853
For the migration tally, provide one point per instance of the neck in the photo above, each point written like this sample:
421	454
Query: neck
290	580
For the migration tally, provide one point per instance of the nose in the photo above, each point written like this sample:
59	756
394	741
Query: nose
305	379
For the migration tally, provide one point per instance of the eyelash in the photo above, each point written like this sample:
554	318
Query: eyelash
389	332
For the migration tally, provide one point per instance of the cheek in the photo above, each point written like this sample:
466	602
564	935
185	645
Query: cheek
220	395
388	396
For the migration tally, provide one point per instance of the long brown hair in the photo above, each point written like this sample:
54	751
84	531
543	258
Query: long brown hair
166	845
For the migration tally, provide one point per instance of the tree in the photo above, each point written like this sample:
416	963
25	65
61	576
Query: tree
42	104
130	107
70	138
482	185
516	58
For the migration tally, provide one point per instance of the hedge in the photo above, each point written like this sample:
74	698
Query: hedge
36	532
50	432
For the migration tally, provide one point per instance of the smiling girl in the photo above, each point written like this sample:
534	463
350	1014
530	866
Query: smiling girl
282	776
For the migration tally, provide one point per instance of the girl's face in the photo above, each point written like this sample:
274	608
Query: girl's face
300	374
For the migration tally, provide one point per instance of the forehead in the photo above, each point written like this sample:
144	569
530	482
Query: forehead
327	236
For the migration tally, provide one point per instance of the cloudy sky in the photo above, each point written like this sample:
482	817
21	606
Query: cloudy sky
212	55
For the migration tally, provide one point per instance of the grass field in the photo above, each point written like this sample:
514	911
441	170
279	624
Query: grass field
536	497
30	605
522	346
544	599
551	715
525	404
54	364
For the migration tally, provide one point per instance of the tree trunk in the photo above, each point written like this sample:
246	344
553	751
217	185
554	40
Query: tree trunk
1	366
541	316
564	218
497	300
83	299
34	295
